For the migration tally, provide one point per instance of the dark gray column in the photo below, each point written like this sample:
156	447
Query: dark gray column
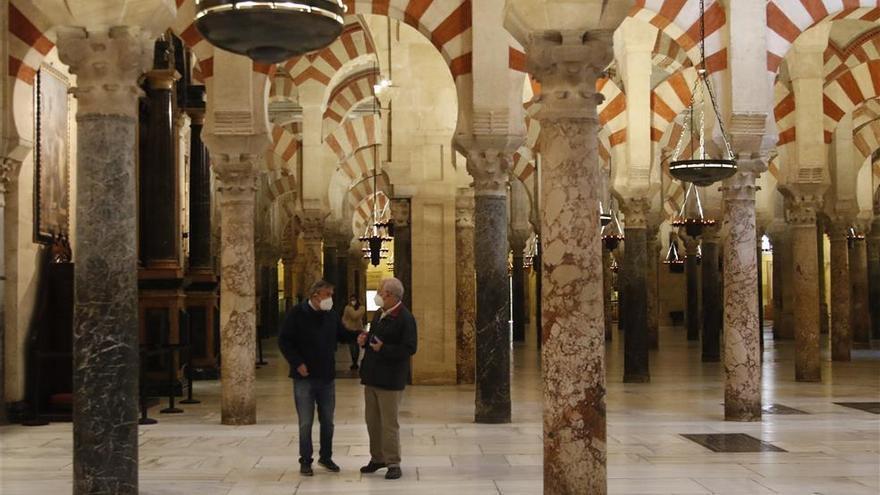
693	315
330	259
841	289
820	252
874	274
199	188
518	282
400	214
634	286
105	338
653	288
712	303
861	316
343	291
607	289
490	171
776	242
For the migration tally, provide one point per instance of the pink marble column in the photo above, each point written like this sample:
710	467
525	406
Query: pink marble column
805	287
573	352
466	285
860	322
841	337
742	349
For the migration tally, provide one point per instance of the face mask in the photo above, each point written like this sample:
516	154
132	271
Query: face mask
326	304
378	300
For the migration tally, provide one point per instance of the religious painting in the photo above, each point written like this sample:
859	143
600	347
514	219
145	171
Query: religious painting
52	157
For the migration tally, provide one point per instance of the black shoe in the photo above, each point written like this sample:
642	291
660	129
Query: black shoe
353	367
393	473
329	464
306	469
372	467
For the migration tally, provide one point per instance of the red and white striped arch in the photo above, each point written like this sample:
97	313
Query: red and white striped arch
185	28
867	139
321	66
848	91
864	48
353	135
612	110
29	41
783	112
669	99
866	113
787	19
347	95
360	164
669	55
680	20
285	145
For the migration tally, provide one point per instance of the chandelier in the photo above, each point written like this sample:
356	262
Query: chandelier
698	167
604	216
270	32
612	234
691	215
852	235
673	258
379	232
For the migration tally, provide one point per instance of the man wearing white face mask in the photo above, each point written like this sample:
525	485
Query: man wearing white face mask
308	340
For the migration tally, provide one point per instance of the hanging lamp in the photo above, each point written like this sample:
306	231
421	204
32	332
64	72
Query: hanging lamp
852	235
615	266
378	232
690	160
604	216
270	32
612	234
691	215
673	258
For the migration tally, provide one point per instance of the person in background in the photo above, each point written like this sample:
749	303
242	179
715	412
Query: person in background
353	317
308	340
392	340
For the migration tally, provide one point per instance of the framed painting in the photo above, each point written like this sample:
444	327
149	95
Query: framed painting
52	157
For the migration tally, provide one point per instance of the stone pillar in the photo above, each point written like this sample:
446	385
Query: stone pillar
9	169
653	287
693	314
805	310
841	336
786	329
634	286
465	298
874	273
607	290
820	254
107	64
711	288
776	240
490	169
288	263
860	322
343	290
742	350
573	352
312	224
518	285
400	214
330	268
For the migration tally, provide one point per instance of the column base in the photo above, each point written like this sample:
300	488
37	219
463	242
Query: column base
808	378
492	419
711	358
637	378
748	415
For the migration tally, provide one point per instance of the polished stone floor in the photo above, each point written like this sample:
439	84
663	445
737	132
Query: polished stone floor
832	449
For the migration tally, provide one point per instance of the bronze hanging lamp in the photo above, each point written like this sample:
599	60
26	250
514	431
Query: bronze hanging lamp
612	234
378	232
690	160
270	32
604	216
691	215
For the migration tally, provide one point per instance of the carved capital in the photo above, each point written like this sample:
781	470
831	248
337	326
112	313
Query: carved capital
636	211
107	65
490	169
742	185
312	224
235	173
400	212
9	168
802	210
464	209
567	64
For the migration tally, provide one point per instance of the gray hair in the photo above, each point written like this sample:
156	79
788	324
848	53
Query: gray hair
319	286
394	286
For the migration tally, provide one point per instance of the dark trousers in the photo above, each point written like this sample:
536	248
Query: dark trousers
308	393
355	350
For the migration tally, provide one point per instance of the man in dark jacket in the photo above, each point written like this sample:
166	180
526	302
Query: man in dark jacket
308	340
392	340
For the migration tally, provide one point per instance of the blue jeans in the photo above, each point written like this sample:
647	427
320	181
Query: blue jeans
308	392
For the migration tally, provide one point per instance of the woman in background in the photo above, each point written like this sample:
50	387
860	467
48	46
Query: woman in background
353	317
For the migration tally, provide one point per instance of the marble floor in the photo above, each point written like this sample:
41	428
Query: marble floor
832	449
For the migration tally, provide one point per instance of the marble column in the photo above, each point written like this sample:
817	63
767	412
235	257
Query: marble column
711	288
330	268
107	65
466	282
860	321
343	290
607	290
874	273
805	287
787	326
573	352
693	314
490	169
653	287
400	214
312	225
288	263
820	253
634	286
199	190
742	350
9	169
841	336
776	240
518	285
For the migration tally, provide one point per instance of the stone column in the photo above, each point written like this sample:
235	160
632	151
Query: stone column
634	286
607	290
573	352
742	350
199	191
874	272
802	222
288	263
820	254
841	337
400	214
343	290
466	298
653	287
312	224
330	268
518	283
9	169
711	282
786	329
858	273
490	169
776	240
693	314
107	64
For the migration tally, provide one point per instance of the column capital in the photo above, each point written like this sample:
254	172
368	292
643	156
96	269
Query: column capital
490	168
9	168
742	185
312	224
838	227
567	64
107	64
400	212
801	208
636	211
235	173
